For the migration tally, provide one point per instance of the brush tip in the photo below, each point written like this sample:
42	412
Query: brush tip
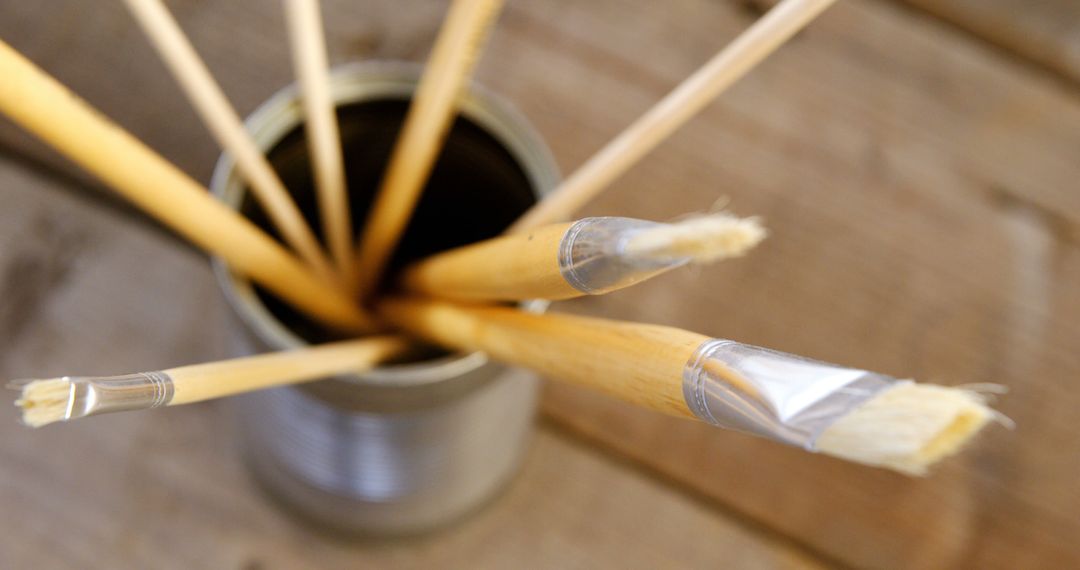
909	427
701	239
43	401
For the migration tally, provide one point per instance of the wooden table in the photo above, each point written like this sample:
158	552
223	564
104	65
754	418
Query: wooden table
917	165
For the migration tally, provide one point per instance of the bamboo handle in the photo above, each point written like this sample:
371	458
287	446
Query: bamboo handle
641	364
47	109
227	128
200	382
428	121
689	98
511	267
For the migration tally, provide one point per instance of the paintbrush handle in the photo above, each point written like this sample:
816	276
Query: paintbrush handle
674	110
641	364
304	22
199	382
508	268
44	107
228	130
772	394
429	119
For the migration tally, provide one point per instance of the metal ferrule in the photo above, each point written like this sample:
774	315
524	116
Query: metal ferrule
772	394
593	260
90	396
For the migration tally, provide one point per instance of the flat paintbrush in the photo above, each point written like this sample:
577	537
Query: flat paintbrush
854	414
588	257
67	398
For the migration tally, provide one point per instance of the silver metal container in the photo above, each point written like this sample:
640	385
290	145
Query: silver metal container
403	448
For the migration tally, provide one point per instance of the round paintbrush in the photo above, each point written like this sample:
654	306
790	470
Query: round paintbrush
588	257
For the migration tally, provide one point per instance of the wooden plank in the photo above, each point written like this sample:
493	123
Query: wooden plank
863	148
1046	33
87	291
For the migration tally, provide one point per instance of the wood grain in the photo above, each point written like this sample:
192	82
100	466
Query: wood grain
85	290
896	246
1046	33
919	184
507	268
634	362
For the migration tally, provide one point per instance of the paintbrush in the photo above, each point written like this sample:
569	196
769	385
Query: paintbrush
857	415
588	257
67	398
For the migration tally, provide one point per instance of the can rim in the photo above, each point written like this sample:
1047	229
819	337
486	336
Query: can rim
354	83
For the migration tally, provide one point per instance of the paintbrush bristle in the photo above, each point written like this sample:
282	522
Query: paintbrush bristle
909	427
45	401
701	239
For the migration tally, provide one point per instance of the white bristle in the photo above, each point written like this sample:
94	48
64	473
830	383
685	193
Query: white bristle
44	401
701	239
908	427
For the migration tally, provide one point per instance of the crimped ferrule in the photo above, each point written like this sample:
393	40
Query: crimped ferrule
772	394
91	396
592	255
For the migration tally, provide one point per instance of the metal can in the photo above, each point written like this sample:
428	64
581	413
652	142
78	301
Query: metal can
409	447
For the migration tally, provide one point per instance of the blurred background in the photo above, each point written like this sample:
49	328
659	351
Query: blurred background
916	162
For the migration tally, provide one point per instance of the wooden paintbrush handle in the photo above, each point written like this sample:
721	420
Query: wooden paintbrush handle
508	268
44	107
304	22
228	129
199	382
641	364
674	110
427	123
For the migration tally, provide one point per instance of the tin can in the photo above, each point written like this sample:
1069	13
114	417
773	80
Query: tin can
408	447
